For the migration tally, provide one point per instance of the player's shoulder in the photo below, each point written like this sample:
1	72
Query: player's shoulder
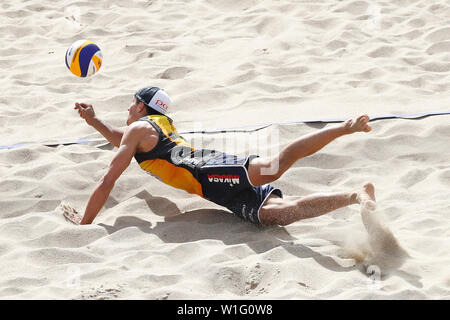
144	134
140	128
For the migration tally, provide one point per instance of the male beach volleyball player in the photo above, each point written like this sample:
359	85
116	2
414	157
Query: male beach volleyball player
240	184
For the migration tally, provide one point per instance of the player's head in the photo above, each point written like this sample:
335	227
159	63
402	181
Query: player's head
151	99
155	99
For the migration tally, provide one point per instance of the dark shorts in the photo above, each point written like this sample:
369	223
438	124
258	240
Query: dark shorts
225	181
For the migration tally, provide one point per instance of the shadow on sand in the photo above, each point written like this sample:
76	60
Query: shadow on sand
232	231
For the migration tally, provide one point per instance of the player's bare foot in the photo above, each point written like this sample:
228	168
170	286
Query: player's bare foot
366	196
358	124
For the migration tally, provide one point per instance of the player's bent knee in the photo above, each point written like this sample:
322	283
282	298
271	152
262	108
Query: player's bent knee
266	218
274	220
278	212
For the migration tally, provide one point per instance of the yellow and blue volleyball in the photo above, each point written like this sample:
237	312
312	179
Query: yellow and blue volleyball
84	58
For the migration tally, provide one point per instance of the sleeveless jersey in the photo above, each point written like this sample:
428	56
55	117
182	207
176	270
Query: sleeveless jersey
216	176
173	160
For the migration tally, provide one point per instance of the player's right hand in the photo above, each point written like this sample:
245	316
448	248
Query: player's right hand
86	111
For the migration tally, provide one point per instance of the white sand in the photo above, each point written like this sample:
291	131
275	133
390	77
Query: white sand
225	64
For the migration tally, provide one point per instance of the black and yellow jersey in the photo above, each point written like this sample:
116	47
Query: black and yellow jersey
173	160
217	176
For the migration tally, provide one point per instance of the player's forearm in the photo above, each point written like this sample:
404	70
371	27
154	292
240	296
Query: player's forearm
113	135
96	202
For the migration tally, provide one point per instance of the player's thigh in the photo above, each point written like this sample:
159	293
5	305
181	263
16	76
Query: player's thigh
263	170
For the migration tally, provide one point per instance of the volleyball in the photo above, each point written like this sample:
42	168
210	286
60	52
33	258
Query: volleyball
84	58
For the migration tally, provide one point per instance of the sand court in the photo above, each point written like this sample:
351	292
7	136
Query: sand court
227	64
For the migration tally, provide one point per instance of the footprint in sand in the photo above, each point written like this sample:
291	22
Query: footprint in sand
174	73
440	47
439	35
382	52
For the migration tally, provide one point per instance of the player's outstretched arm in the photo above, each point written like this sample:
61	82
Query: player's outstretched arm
119	163
113	135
